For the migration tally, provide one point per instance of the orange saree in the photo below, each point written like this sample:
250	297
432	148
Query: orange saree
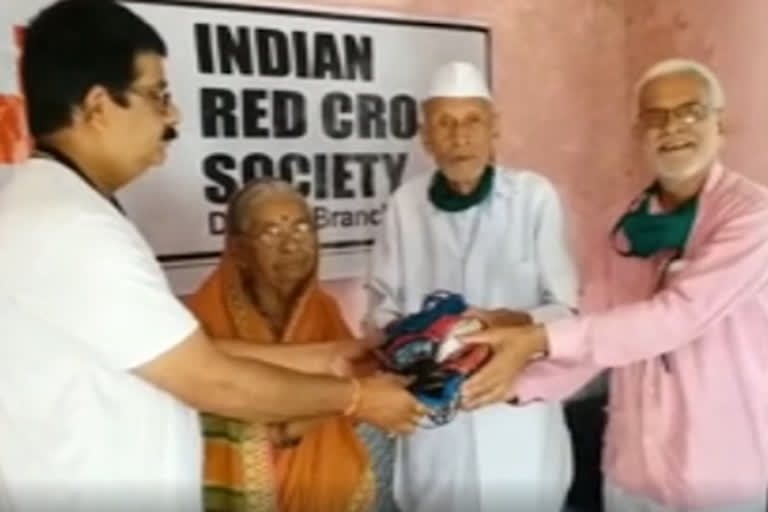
330	469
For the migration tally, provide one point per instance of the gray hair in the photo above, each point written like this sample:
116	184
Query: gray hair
680	66
252	192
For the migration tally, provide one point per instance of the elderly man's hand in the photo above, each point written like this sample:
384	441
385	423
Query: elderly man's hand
513	349
500	317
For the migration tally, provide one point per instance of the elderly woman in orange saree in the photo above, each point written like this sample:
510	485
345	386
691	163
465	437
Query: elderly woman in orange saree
265	291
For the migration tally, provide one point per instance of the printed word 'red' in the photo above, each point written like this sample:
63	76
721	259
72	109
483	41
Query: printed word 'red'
260	113
241	50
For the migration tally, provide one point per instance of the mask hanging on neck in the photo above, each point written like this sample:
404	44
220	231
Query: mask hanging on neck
648	234
448	200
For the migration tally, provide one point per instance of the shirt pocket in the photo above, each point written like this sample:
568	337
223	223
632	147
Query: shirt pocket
516	283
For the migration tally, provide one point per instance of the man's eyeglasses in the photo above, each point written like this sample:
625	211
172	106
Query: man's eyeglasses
160	98
689	113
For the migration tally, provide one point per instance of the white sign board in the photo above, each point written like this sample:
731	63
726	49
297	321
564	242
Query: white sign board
328	101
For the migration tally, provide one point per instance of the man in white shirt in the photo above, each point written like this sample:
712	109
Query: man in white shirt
496	236
101	368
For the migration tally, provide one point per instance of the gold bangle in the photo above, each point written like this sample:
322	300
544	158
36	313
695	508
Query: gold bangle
355	401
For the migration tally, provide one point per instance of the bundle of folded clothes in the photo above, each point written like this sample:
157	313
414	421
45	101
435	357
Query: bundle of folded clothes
426	346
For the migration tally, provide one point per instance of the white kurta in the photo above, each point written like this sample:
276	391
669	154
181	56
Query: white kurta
509	251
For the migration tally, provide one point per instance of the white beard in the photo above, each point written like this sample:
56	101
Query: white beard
680	175
700	163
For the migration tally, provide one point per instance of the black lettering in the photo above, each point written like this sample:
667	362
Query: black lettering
253	113
217	108
242	50
257	165
327	61
203	48
272	47
394	164
300	54
359	53
217	223
347	218
333	106
321	176
403	116
375	218
234	50
370	116
215	168
289	114
285	170
321	216
367	161
341	177
296	166
327	218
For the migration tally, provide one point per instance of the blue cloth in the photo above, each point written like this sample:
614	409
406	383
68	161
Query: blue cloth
411	348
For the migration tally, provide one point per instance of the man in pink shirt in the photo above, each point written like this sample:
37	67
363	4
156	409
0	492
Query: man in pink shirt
686	337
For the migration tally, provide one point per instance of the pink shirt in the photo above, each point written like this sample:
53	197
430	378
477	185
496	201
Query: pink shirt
691	432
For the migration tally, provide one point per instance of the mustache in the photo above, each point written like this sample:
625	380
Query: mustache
170	134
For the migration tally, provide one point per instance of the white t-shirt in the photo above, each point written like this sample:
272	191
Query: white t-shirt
83	301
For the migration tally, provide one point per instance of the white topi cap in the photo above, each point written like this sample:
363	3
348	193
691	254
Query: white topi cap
458	80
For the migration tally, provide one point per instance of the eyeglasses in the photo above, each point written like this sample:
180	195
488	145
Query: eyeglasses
160	98
274	235
689	113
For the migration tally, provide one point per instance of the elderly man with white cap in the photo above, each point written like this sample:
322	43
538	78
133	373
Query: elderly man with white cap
496	236
686	337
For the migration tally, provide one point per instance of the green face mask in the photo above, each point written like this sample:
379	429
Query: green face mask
649	234
445	198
